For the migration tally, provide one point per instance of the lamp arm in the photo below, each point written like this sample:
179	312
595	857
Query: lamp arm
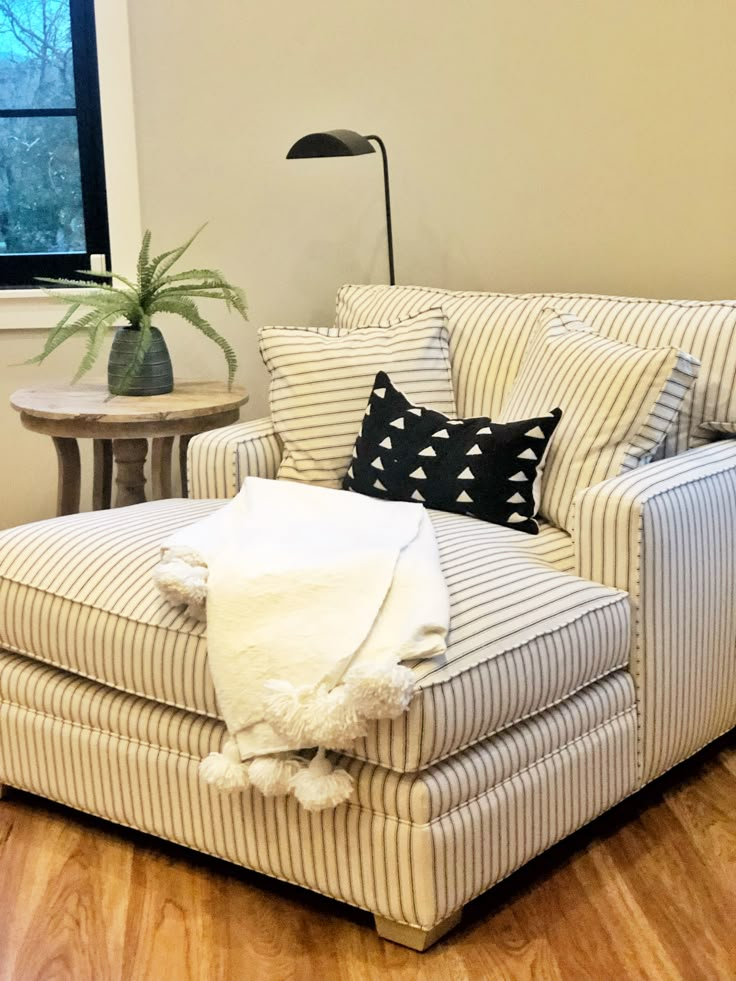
389	232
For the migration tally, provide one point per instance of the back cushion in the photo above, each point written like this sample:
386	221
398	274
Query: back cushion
489	333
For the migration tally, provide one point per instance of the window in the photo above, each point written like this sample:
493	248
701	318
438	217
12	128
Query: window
53	211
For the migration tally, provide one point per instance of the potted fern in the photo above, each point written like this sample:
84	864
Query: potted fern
139	362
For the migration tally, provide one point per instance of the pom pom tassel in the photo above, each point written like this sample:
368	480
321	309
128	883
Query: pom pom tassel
225	770
182	584
319	785
272	775
382	693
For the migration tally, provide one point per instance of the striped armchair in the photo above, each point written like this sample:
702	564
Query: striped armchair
579	666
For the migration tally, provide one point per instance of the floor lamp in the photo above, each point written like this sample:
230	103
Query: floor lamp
347	143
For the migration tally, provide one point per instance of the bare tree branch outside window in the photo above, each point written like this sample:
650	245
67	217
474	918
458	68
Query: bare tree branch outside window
40	185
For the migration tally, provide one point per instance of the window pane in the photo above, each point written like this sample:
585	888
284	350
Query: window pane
40	186
36	70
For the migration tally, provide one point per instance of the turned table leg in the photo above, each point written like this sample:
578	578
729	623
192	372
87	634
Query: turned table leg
161	467
183	447
130	459
69	481
102	482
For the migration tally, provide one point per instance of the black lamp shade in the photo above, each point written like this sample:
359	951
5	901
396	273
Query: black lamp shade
332	143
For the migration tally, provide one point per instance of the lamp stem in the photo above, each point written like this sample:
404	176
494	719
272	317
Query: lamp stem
389	232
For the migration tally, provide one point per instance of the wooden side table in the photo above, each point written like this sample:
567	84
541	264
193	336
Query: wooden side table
121	427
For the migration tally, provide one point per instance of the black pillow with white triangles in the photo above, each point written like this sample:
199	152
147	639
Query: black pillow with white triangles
477	467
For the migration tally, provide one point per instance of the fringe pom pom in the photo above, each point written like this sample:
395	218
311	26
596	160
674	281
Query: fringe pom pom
291	711
225	770
272	775
183	584
382	693
319	786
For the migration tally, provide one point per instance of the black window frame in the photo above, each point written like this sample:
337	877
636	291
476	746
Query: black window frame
19	271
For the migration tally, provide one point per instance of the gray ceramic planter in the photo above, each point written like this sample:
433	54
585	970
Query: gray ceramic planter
154	377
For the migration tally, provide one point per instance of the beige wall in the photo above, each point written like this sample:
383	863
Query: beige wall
535	144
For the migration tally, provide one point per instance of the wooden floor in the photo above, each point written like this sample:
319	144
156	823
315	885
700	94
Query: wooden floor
647	891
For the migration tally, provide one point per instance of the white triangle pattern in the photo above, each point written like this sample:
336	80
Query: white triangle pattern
463	497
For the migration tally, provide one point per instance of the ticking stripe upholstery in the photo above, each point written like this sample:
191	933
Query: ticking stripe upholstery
489	333
411	848
666	533
219	461
618	401
76	592
321	379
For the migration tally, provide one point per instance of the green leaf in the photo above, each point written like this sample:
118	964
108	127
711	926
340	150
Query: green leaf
83	283
60	333
144	256
111	275
187	309
96	336
167	259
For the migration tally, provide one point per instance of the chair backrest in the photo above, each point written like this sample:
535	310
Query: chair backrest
489	333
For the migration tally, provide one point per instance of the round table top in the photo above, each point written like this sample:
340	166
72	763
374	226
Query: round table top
92	401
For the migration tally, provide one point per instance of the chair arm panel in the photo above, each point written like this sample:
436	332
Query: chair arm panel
218	461
666	533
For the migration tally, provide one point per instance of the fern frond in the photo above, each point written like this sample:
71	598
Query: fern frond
231	296
96	335
60	333
161	264
80	283
144	257
187	309
108	274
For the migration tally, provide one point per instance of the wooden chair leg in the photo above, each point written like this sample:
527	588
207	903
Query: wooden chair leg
415	937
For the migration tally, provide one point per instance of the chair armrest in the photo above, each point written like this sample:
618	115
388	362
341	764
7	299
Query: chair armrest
218	461
666	533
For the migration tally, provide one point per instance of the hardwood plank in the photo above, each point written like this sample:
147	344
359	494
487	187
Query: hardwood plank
646	892
64	897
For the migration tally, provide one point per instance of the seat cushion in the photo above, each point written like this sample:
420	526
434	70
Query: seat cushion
76	592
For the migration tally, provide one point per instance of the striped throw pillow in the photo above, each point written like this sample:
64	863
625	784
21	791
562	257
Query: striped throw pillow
321	380
618	402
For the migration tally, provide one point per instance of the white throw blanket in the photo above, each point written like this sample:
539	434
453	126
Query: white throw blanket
312	598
